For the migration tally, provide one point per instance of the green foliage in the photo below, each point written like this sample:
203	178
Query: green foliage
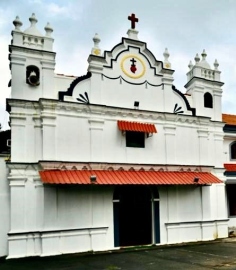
112	267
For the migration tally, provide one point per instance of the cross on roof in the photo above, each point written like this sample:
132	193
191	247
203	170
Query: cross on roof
133	20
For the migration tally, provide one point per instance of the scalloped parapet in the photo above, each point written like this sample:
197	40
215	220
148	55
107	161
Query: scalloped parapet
204	87
32	37
202	69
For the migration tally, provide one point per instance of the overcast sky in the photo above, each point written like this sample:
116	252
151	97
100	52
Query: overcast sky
185	27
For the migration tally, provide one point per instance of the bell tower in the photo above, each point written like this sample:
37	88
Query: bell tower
204	86
32	62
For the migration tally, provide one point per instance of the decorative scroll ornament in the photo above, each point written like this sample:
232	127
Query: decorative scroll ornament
84	98
177	109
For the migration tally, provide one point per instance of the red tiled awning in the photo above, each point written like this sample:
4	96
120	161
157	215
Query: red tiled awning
229	119
230	167
127	177
136	126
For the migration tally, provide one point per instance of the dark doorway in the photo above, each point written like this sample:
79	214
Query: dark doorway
133	215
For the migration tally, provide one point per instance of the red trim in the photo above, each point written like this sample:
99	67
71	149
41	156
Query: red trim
136	126
229	119
230	167
127	177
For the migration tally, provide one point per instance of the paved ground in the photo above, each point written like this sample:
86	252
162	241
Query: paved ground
214	255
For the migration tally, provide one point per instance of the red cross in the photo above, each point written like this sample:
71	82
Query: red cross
133	20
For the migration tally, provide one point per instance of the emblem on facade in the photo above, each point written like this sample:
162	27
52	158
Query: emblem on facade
84	98
133	66
177	109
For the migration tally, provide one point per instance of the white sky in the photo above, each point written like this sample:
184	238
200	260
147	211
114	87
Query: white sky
185	27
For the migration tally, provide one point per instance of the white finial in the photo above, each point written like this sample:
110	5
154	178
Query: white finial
96	50
204	55
32	30
166	55
216	64
96	40
48	29
17	22
203	62
190	65
197	58
33	19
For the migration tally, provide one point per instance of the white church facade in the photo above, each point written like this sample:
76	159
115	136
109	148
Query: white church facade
117	157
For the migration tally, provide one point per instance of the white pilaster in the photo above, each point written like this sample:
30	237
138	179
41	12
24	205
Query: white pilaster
96	139
203	146
49	136
18	125
170	139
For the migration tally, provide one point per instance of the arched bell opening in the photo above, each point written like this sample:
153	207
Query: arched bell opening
208	100
32	75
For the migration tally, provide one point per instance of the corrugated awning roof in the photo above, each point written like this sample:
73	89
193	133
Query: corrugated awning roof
127	177
229	119
230	167
136	126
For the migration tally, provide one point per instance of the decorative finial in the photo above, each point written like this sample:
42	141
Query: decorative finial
32	30
96	50
197	58
33	19
133	20
166	55
96	40
204	55
17	22
48	29
216	64
190	65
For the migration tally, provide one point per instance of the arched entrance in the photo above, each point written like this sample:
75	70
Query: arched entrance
136	215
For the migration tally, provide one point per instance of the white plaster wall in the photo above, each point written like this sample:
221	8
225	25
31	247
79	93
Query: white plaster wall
97	139
232	223
4	206
26	201
76	207
228	139
62	82
186	152
197	89
86	212
20	59
149	97
47	220
191	213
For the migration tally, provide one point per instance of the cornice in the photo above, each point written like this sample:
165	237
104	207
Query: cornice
64	165
230	136
14	48
52	107
194	79
21	103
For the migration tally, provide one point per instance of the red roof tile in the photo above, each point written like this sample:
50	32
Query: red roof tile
229	119
136	126
126	177
230	167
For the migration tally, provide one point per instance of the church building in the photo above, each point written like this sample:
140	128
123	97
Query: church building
117	157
